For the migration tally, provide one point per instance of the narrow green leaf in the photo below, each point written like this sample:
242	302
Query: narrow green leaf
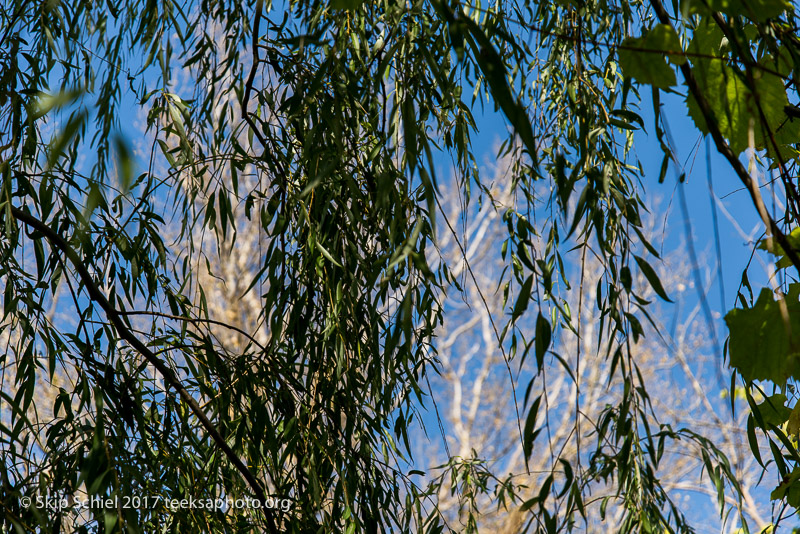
65	137
543	338
529	435
124	162
327	254
347	5
652	278
523	298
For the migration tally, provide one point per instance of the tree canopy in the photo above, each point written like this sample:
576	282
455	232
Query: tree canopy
292	164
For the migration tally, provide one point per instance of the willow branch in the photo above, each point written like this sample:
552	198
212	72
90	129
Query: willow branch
197	320
115	318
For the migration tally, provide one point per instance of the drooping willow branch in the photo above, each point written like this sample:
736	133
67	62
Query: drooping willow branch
723	148
115	318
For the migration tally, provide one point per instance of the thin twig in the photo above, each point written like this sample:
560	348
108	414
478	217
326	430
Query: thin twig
491	318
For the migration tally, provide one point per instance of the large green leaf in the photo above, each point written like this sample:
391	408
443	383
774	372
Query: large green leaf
737	109
758	10
706	39
643	57
760	344
774	410
776	250
789	489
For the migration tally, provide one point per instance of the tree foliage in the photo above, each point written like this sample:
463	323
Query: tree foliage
321	125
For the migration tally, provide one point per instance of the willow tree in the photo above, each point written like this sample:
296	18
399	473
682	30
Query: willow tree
323	124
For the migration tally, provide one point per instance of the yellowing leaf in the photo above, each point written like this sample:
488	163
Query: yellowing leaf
793	428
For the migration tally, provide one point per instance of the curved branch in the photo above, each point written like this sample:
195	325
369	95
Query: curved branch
195	320
723	148
115	317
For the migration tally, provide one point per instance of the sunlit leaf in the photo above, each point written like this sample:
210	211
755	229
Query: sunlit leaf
758	10
760	344
738	110
643	58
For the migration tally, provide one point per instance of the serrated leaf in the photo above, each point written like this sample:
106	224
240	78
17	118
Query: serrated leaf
789	489
706	40
775	249
793	427
643	58
664	37
760	347
738	110
774	411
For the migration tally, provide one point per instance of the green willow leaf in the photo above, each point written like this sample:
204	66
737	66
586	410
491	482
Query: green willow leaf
523	299
543	339
45	102
65	137
652	278
529	434
125	162
347	5
493	68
